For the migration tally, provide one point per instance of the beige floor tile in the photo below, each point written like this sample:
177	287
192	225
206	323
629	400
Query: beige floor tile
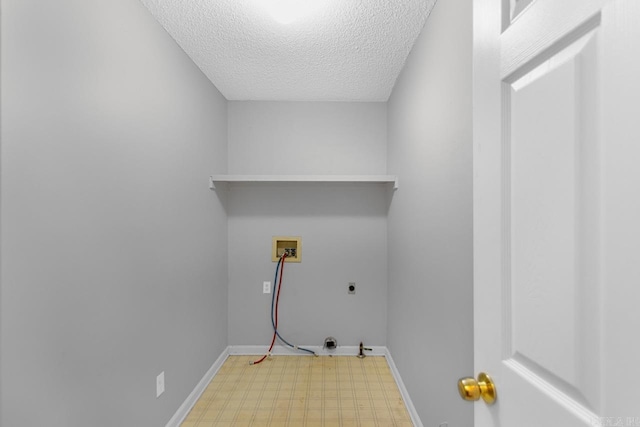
292	391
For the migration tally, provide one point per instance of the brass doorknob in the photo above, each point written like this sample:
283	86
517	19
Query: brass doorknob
473	390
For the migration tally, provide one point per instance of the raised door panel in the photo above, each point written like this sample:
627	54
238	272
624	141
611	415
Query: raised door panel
552	223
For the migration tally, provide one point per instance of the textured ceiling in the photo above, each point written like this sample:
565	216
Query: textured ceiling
310	50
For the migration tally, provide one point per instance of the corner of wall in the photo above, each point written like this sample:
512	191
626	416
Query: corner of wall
430	326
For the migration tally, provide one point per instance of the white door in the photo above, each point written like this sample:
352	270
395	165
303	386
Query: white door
557	211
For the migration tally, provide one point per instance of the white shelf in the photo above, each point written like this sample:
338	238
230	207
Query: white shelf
373	179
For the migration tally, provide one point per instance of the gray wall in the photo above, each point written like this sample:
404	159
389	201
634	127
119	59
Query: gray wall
343	227
307	137
113	248
430	219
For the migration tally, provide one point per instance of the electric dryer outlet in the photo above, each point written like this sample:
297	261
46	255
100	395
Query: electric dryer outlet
351	289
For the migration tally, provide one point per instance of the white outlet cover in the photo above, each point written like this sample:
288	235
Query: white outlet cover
160	384
266	287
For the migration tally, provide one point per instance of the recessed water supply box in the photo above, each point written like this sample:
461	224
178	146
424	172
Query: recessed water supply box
291	245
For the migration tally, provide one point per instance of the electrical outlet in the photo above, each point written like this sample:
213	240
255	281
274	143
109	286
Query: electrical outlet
351	289
266	287
160	384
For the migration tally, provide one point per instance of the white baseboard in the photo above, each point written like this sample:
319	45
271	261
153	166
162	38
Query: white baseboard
278	350
238	350
415	418
191	400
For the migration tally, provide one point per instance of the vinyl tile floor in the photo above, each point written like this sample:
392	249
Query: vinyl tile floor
339	391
